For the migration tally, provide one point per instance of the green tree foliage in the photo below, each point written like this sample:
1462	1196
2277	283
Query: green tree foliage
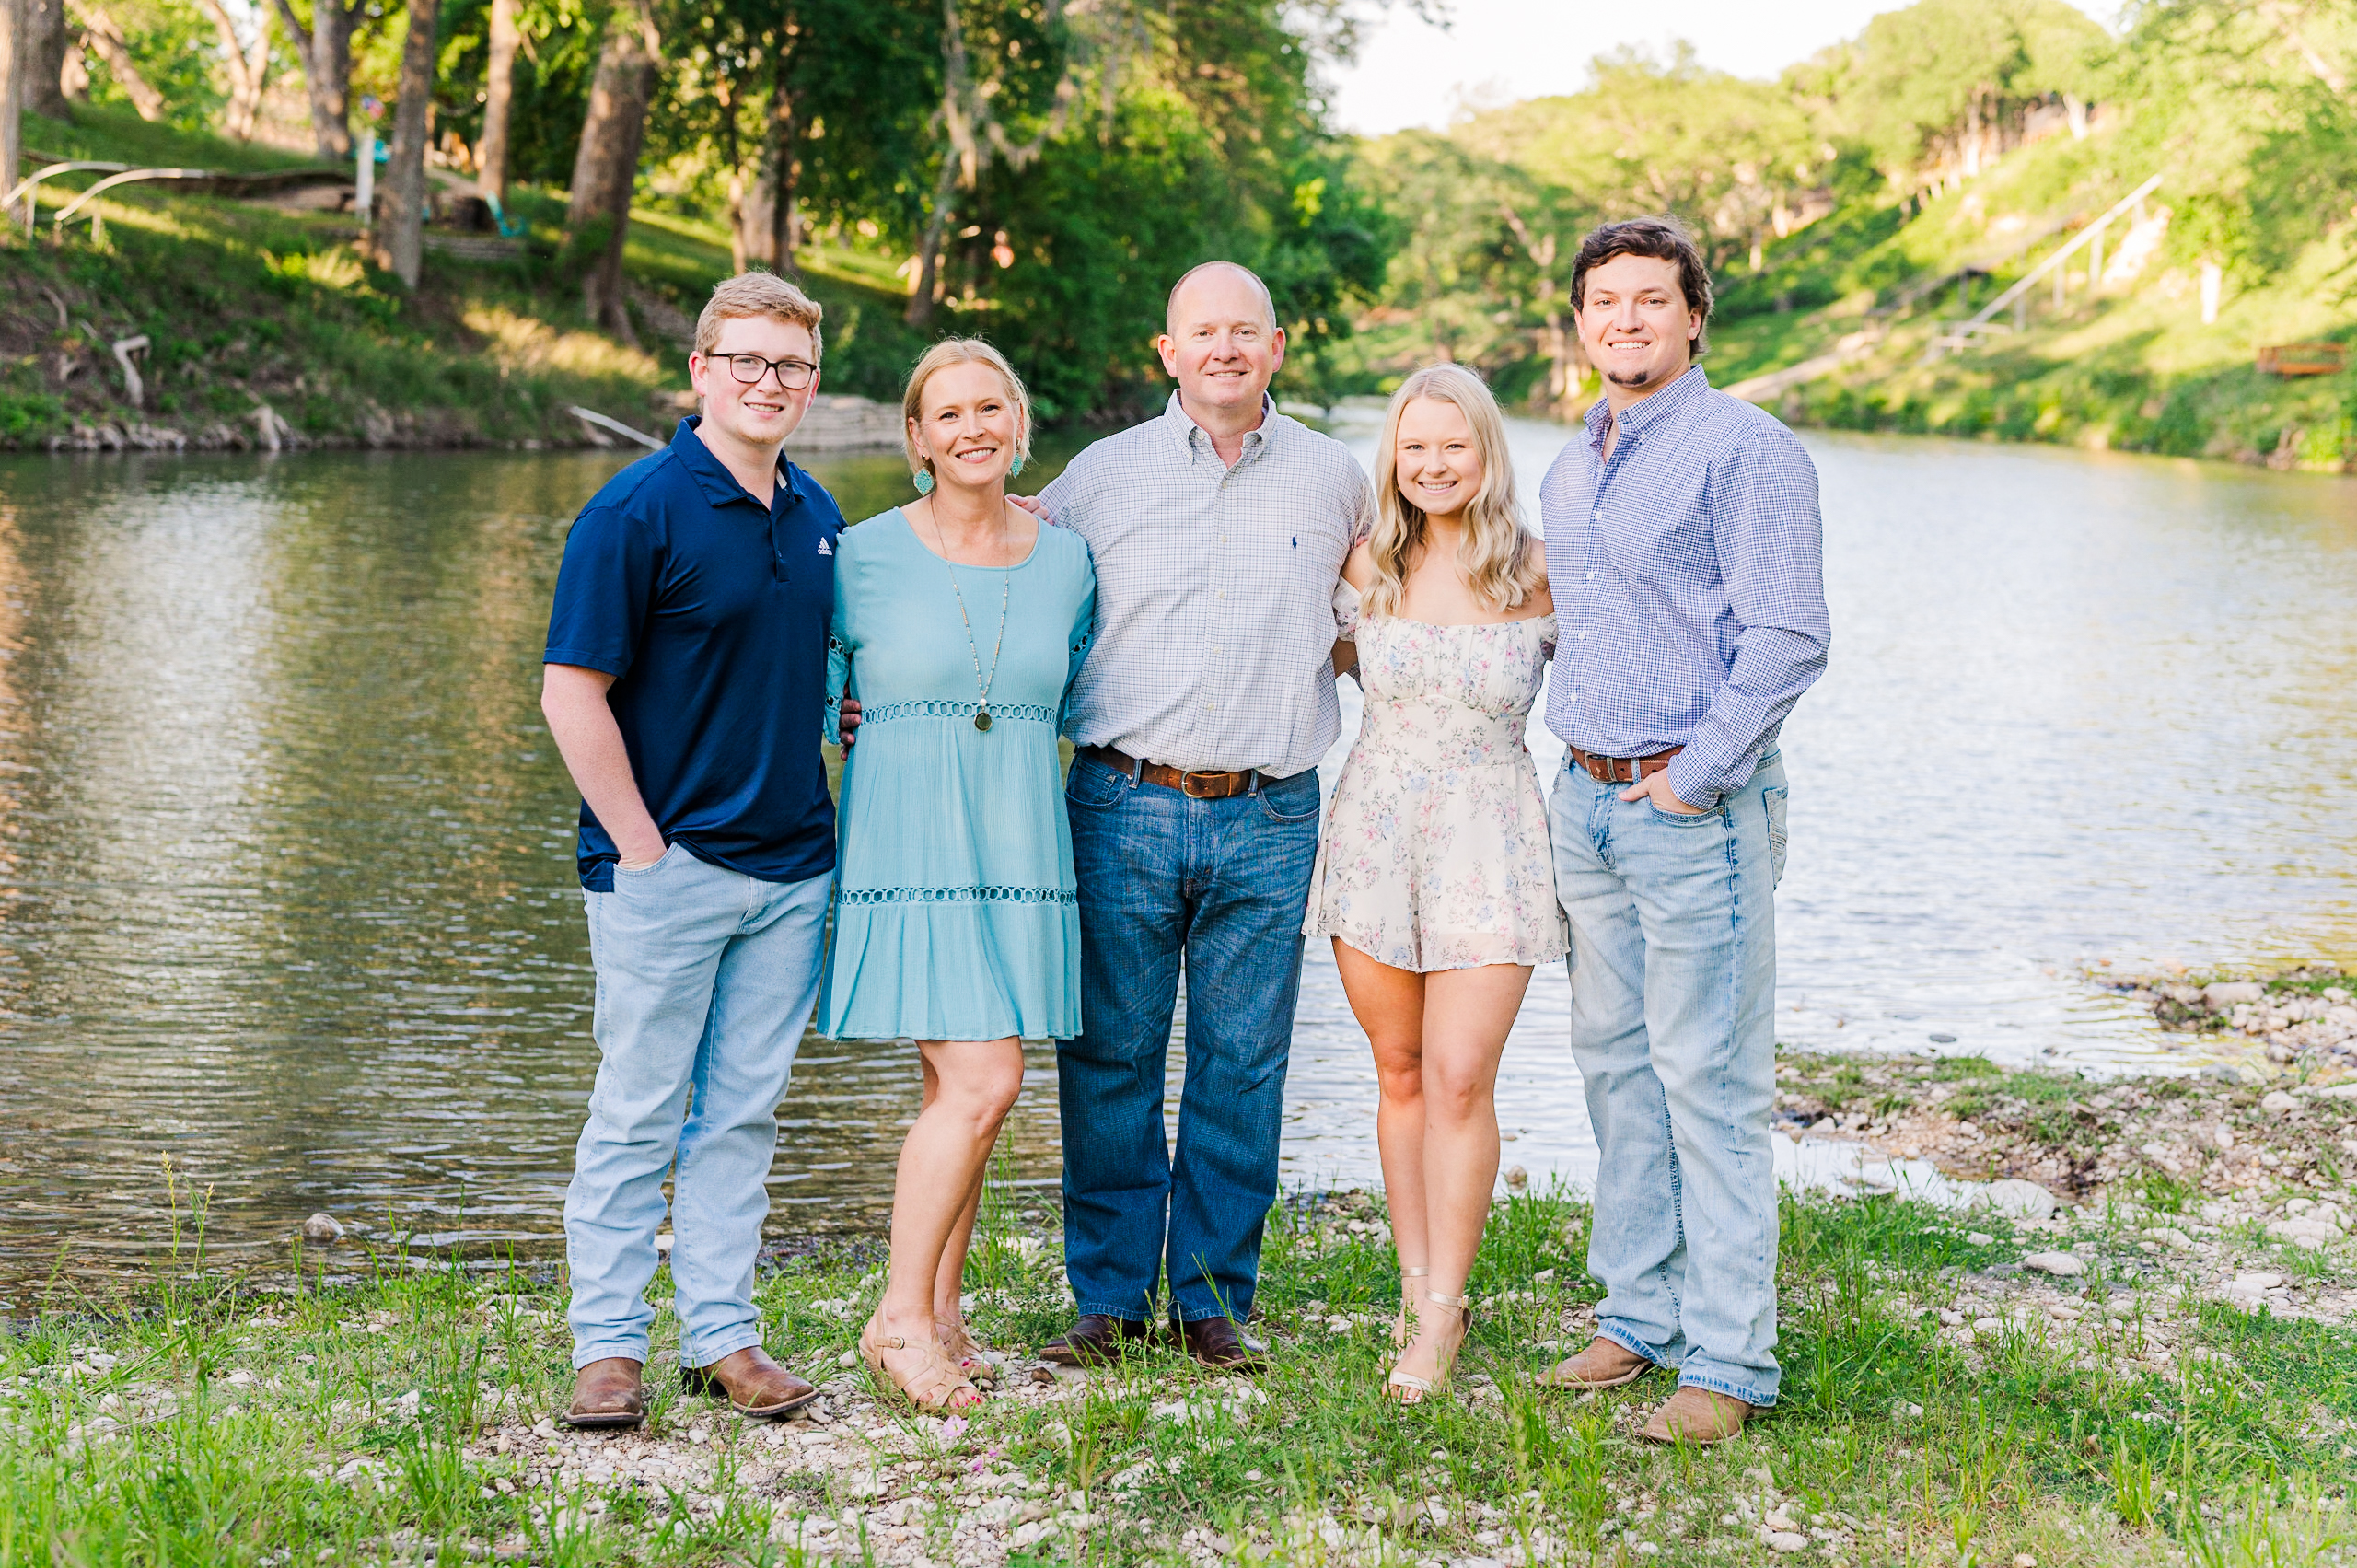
1917	83
173	47
1118	148
2246	103
1649	136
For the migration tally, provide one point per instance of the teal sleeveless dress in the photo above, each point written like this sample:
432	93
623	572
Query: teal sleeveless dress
955	911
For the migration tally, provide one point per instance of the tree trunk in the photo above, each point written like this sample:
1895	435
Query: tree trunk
400	230
331	80
103	38
325	50
784	146
48	36
499	91
606	166
732	152
12	38
248	69
921	293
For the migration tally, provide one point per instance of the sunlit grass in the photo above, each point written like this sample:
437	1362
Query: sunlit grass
190	1421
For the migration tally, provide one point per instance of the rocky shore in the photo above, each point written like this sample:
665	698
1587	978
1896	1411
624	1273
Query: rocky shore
2120	1327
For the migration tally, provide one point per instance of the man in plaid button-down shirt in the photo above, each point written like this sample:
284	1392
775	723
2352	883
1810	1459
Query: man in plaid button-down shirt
1685	551
1218	530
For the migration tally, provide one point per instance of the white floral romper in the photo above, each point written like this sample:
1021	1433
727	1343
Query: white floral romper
1436	853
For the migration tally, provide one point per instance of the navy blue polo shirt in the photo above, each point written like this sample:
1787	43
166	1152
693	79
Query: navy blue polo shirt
710	610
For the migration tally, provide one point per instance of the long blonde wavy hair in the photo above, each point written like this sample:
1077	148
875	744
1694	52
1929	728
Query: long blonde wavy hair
1498	556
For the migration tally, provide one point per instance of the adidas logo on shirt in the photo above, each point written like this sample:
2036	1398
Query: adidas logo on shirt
826	547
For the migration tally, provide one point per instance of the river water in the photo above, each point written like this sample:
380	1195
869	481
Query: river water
285	884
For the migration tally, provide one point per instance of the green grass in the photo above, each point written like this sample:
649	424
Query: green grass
355	1421
113	134
247	304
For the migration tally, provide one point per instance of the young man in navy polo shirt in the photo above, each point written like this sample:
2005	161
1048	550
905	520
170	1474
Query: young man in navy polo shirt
685	672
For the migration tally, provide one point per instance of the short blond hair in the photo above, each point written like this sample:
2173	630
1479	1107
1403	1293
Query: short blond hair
940	357
757	293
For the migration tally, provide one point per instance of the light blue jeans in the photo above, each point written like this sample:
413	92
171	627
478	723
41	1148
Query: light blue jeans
1673	988
705	980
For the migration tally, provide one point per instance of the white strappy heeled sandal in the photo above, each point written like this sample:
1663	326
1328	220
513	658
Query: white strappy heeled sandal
1411	1389
1404	1330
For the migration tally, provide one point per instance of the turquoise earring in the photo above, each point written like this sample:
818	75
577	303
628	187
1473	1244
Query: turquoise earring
1018	468
925	482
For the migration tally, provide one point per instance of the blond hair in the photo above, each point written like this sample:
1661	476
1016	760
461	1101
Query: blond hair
940	357
1498	556
757	293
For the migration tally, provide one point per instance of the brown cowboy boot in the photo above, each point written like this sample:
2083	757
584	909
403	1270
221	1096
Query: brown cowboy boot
606	1393
1698	1417
1219	1345
753	1384
1095	1340
1606	1364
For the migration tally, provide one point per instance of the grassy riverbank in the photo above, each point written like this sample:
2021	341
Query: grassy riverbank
249	306
2131	365
2190	1395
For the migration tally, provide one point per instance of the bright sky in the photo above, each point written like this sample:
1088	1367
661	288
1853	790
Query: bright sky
1501	50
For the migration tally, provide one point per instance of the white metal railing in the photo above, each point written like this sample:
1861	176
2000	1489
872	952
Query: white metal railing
30	183
1960	334
591	416
77	204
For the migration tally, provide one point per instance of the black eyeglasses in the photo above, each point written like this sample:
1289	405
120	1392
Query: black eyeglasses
792	374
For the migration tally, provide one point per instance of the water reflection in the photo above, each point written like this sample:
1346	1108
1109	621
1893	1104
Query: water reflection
284	850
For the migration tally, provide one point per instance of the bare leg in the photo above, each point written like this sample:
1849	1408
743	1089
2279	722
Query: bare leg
1390	1005
1467	1015
970	1085
949	1283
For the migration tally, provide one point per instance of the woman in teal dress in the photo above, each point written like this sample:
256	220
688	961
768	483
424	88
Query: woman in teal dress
960	620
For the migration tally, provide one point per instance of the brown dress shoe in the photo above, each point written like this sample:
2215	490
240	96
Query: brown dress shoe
1697	1416
1222	1346
1606	1364
606	1393
752	1383
1095	1340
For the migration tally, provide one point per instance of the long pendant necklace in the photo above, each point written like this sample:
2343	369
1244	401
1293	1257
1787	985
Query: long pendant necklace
1006	588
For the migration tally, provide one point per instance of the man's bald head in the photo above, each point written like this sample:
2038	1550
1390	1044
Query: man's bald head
1208	285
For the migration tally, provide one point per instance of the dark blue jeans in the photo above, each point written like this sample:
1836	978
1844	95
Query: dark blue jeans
1219	886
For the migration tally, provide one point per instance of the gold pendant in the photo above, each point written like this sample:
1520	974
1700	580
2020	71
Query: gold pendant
983	719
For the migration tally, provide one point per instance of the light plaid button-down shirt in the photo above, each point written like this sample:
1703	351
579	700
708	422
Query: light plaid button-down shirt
1214	591
1688	583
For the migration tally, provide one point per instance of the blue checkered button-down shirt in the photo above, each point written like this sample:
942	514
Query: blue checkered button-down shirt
1215	620
1688	582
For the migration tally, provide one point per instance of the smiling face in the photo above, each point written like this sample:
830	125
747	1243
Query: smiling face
1435	460
1220	344
968	428
764	413
1635	323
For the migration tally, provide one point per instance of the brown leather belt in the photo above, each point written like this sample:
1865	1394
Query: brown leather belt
1199	786
1622	770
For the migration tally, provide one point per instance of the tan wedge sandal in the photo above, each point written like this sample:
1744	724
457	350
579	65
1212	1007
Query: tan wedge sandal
1411	1389
924	1377
1404	1329
957	1342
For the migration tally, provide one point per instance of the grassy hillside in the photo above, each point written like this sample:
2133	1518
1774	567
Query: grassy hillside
249	306
2131	367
